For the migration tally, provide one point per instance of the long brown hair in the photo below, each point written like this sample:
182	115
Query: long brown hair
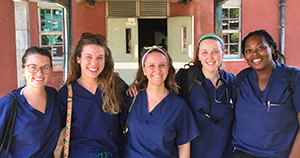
170	83
109	82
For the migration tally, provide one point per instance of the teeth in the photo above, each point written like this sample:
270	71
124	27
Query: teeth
210	63
157	76
93	69
256	60
39	79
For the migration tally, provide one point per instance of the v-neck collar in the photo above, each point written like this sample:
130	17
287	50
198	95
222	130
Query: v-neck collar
208	83
84	89
48	108
156	109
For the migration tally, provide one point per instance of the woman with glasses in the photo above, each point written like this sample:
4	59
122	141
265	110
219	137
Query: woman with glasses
268	104
209	99
160	124
97	100
37	125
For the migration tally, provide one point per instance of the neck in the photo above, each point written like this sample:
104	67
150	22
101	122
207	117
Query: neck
213	76
29	91
88	83
265	73
156	91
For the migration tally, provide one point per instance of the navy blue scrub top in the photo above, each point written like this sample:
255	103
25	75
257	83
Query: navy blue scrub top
215	139
92	129
157	134
35	133
262	130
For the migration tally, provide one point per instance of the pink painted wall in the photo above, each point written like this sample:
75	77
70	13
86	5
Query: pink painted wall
88	19
292	33
8	68
34	25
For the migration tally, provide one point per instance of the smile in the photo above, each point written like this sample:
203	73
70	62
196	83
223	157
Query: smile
157	76
39	79
256	60
93	69
210	63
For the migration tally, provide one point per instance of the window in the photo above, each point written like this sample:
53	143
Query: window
231	28
51	30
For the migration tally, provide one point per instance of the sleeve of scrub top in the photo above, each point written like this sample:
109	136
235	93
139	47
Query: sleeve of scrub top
296	95
187	129
5	109
62	103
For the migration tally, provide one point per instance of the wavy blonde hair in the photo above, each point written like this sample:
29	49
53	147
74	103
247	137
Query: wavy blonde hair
109	82
142	81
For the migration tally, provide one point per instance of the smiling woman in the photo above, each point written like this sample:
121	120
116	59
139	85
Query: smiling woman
266	105
98	97
37	124
166	120
208	93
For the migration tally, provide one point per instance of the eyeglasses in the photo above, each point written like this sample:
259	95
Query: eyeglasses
90	35
35	69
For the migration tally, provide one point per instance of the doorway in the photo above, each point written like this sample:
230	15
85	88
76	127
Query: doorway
151	32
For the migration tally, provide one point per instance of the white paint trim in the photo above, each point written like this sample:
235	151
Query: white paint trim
129	65
134	65
233	59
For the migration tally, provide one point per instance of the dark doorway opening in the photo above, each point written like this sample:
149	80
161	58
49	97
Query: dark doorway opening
152	32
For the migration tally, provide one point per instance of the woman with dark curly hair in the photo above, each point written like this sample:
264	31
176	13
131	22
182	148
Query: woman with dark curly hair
267	108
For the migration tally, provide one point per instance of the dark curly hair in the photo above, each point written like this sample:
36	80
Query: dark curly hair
269	39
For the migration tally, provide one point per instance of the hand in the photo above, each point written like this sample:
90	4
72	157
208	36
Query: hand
132	91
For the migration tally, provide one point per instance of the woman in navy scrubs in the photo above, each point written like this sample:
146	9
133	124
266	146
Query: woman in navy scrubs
267	112
160	124
209	100
97	100
37	125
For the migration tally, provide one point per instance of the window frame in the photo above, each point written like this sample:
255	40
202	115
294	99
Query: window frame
232	6
52	33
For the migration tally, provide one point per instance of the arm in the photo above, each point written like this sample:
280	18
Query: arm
295	152
184	151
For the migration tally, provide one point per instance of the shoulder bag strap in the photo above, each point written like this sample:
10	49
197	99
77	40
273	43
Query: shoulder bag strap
242	75
10	124
184	91
126	125
68	121
291	75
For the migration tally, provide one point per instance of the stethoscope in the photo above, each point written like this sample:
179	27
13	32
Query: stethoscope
216	121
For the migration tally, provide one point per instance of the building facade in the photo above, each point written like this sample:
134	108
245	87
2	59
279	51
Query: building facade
130	25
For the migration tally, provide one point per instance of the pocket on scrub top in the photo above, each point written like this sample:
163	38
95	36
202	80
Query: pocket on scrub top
163	141
272	116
